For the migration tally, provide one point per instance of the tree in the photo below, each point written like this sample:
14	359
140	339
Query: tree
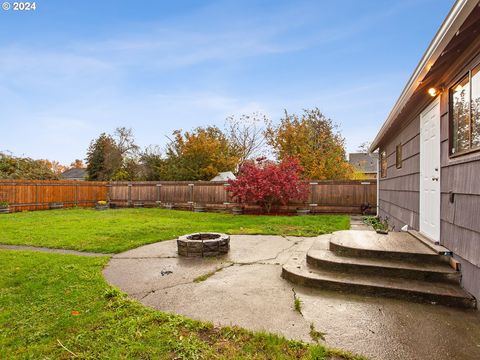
246	135
12	167
364	147
77	164
104	158
152	162
114	157
198	155
268	183
315	141
125	141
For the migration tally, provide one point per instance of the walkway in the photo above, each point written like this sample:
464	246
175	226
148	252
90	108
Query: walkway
244	288
50	250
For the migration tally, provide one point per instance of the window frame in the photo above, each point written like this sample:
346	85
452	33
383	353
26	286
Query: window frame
383	169
470	150
399	156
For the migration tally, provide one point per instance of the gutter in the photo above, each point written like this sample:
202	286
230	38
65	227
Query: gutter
449	28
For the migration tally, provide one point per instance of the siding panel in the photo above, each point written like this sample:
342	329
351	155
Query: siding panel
463	242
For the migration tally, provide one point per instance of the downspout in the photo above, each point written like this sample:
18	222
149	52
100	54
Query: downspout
378	184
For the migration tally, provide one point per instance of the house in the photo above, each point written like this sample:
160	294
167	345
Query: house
78	174
224	176
429	145
364	163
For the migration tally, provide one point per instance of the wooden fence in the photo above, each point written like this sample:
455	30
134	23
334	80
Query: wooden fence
43	194
325	196
333	196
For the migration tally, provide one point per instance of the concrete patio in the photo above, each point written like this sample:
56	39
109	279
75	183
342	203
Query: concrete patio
247	290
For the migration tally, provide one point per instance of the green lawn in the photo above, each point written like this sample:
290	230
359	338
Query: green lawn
114	231
59	306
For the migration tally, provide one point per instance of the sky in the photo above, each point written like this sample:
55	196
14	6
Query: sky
71	70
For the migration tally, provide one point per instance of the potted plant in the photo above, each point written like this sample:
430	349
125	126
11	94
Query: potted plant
237	210
199	208
138	205
55	205
4	207
101	205
303	211
380	226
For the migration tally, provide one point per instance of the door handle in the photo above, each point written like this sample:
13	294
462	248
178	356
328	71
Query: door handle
435	178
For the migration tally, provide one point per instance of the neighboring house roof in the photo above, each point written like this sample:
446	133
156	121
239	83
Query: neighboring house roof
364	162
449	29
75	174
224	176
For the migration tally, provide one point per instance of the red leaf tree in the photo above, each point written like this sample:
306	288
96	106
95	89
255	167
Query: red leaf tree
268	183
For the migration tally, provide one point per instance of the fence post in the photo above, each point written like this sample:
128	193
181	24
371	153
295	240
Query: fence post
36	196
312	188
76	194
129	195
225	188
191	192
158	192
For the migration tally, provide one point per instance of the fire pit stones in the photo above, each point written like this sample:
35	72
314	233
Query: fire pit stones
203	244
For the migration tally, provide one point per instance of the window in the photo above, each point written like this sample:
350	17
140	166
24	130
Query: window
465	113
398	156
383	164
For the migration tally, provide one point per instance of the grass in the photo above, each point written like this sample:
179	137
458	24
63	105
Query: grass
316	335
113	231
297	303
56	306
207	275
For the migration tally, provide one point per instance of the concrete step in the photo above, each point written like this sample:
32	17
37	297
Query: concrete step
436	272
395	246
297	271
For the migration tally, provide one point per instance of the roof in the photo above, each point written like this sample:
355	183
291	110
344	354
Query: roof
364	162
75	173
448	30
224	176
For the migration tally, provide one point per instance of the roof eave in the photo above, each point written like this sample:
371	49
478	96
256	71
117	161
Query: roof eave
452	23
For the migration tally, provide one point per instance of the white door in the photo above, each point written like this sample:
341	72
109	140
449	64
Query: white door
430	171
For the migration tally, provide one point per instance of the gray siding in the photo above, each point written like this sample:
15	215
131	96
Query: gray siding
399	191
460	176
460	219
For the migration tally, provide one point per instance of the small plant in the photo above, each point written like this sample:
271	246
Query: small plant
205	276
315	334
102	202
379	225
3	204
297	303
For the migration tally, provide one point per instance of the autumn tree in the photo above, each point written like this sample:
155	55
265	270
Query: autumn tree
198	155
77	164
246	135
13	167
268	183
315	141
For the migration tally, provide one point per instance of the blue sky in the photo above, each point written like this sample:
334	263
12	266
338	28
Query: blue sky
73	69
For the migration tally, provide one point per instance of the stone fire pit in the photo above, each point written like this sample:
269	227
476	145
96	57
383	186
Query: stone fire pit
203	244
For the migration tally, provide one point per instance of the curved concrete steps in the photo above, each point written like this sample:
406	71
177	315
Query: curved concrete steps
298	272
396	266
329	260
395	246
